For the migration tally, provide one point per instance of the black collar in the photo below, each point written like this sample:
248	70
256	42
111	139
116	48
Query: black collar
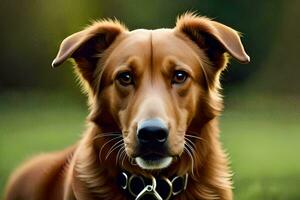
154	188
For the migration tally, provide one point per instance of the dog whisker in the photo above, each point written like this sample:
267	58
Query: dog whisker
190	154
194	136
106	135
191	149
114	147
191	142
118	157
124	155
100	152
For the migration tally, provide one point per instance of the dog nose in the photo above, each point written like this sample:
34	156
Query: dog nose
152	132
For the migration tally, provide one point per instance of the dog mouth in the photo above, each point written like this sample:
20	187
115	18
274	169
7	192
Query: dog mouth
153	161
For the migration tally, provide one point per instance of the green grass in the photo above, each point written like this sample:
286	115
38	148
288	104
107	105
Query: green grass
261	134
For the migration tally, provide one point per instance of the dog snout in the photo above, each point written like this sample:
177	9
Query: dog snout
152	132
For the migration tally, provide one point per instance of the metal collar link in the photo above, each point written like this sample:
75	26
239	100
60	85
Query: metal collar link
160	188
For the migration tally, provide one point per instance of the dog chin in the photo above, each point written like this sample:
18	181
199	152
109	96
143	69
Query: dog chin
153	164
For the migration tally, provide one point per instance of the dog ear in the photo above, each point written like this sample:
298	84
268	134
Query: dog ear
214	38
86	46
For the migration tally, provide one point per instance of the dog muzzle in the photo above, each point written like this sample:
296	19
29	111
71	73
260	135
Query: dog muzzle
153	188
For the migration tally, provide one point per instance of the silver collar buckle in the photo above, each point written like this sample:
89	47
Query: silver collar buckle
160	188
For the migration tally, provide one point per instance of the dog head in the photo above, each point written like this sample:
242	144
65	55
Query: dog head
153	86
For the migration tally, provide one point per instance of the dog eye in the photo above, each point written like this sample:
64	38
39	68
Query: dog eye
179	77
125	78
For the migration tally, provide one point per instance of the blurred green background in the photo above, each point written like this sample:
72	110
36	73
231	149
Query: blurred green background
42	109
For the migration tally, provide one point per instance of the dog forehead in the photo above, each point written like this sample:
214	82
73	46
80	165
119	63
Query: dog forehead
169	45
153	47
136	44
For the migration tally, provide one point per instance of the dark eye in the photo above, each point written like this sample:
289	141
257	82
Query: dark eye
125	78
179	77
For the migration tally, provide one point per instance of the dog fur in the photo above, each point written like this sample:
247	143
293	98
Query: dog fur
88	169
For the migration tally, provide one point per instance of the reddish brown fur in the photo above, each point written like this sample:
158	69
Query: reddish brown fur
197	45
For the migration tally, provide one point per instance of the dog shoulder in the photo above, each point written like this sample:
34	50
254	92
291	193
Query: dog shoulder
38	177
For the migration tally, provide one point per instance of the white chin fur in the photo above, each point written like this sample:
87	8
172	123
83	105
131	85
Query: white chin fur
152	165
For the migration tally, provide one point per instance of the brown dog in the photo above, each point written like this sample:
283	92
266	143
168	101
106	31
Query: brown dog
154	101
